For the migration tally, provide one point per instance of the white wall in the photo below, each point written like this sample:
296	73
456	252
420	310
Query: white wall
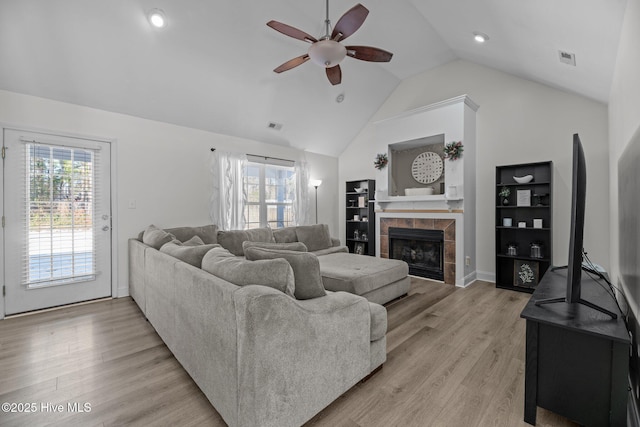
164	168
624	118
518	121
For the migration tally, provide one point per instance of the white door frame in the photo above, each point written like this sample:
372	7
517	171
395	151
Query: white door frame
115	290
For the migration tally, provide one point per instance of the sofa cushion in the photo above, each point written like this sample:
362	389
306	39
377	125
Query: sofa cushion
208	233
332	250
190	254
285	235
293	246
156	237
306	270
232	240
275	273
378	321
316	237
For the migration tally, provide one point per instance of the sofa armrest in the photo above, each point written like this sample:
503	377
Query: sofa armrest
297	356
335	241
206	336
137	272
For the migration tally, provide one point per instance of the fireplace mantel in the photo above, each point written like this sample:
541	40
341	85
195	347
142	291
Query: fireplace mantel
456	120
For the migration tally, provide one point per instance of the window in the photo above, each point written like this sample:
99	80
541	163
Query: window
271	194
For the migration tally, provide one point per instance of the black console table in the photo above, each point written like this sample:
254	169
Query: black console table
577	359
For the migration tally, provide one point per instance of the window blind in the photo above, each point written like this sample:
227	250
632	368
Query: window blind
60	211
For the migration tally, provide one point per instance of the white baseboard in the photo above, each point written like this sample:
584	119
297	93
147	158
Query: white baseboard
467	280
486	276
122	292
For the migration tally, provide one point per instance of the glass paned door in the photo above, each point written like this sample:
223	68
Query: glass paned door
57	203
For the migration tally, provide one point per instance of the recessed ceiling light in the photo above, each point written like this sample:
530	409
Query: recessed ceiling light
480	37
157	18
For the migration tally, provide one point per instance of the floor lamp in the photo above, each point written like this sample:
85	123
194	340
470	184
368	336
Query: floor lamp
316	183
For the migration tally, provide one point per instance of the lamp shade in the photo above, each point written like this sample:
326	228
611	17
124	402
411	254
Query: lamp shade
327	53
315	182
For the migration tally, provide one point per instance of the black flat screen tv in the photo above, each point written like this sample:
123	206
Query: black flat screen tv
576	233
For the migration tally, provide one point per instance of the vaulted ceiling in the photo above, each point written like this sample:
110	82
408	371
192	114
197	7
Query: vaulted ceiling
211	67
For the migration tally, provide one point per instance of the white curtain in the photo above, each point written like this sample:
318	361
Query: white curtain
229	198
301	210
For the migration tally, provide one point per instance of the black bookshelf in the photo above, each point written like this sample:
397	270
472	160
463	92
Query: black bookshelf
522	270
360	217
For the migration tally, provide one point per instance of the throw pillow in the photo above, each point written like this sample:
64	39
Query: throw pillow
316	237
275	273
306	269
190	254
194	241
285	235
156	237
232	240
208	233
294	246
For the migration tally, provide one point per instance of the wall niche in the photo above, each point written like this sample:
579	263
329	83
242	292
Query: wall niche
401	157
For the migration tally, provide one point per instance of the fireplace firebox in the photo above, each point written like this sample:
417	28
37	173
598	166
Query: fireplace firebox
422	249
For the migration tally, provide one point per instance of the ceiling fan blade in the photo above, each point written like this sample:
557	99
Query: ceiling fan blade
367	53
292	63
290	31
349	22
334	74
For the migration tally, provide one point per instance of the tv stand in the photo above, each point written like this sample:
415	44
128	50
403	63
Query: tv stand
580	301
577	359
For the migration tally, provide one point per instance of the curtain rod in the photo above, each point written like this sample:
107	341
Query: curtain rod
264	157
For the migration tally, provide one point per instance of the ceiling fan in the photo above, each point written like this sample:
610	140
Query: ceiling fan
328	51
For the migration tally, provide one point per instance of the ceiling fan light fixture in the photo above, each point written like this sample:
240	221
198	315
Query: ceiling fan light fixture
480	37
157	18
327	53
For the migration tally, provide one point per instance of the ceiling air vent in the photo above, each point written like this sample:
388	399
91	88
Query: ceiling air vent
274	126
567	58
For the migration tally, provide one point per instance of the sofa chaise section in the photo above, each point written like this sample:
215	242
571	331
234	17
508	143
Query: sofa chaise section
379	280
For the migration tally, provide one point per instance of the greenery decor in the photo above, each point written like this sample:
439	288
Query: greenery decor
453	150
504	192
504	195
381	161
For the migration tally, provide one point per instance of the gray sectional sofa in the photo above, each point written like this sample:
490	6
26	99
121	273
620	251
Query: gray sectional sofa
261	354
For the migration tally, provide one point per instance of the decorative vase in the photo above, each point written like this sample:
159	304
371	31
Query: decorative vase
505	201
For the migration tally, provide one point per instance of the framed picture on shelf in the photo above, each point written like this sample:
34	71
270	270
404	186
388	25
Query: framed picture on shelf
523	198
525	273
359	248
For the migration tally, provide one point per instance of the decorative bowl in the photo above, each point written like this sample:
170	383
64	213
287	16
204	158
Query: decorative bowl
523	179
421	191
359	189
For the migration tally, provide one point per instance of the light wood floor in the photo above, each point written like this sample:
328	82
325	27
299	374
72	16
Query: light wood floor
455	358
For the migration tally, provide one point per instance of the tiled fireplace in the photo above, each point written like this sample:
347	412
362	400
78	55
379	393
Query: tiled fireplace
420	250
